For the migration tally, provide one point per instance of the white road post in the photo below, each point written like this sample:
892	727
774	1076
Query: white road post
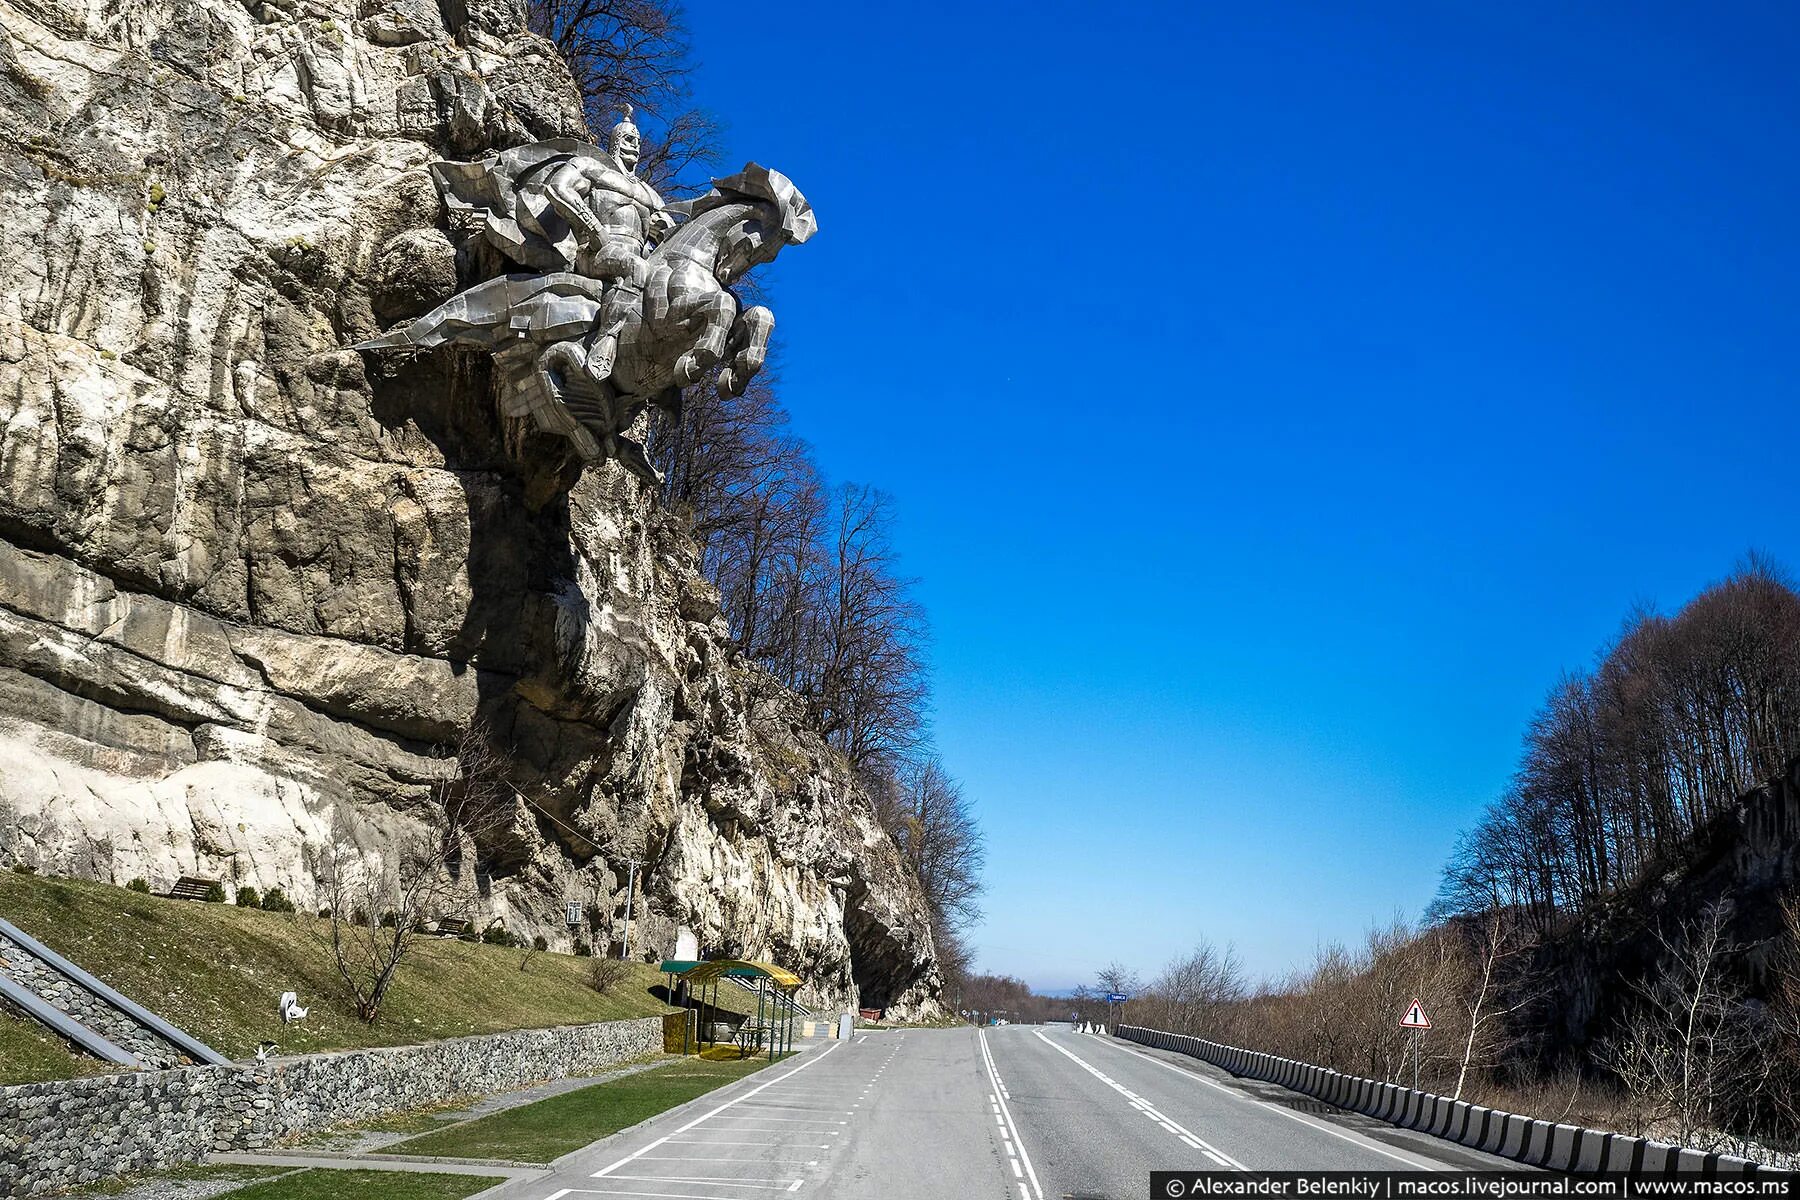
630	889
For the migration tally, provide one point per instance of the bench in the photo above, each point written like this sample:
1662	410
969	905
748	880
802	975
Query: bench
452	927
192	887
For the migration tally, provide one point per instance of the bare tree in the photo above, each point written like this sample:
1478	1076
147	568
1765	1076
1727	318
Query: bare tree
1498	946
937	834
1194	992
1689	1054
1785	1019
635	52
382	898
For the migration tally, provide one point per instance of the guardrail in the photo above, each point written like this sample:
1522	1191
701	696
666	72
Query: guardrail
191	1046
1539	1143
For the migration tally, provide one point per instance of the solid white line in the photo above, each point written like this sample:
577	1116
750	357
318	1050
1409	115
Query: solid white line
761	1185
715	1158
661	1195
674	1141
994	1072
1172	1126
785	1120
605	1171
1418	1164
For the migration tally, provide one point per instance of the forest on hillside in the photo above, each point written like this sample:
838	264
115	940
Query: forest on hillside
1615	877
808	573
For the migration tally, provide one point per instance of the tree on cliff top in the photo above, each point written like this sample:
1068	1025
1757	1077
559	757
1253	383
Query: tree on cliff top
635	52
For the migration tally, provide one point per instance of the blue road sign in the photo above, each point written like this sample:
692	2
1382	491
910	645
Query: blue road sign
1116	997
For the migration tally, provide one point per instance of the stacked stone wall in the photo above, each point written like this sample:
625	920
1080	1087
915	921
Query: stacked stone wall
71	1132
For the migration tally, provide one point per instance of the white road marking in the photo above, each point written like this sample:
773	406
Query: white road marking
994	1074
716	1158
1172	1126
675	1141
763	1185
787	1120
1418	1164
822	1055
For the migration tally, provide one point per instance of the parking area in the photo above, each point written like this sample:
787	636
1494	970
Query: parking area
778	1131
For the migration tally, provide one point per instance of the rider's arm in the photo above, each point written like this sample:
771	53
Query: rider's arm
571	204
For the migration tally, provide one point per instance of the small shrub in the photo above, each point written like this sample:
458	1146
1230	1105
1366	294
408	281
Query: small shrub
582	949
247	898
324	914
275	900
140	885
540	943
20	868
496	935
215	893
604	974
390	920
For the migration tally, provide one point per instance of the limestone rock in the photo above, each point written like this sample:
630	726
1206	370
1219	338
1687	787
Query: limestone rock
251	584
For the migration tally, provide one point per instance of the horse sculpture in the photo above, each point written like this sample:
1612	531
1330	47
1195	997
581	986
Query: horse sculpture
543	329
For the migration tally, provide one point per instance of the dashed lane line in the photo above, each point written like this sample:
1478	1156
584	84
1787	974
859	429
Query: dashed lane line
1417	1164
1168	1124
1009	1131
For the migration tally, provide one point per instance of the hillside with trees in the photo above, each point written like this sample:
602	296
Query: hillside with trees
1617	939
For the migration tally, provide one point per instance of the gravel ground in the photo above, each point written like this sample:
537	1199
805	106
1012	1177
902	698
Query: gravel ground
174	1186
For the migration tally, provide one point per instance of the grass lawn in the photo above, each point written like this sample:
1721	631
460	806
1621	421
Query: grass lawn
216	970
541	1132
361	1185
29	1052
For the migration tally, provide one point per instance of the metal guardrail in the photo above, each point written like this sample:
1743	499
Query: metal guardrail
60	1021
1547	1144
191	1046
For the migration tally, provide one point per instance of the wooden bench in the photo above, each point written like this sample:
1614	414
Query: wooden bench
452	927
192	887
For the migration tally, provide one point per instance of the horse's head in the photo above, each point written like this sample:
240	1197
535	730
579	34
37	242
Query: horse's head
753	215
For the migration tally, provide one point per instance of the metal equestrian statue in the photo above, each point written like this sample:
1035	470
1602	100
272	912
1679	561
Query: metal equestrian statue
599	324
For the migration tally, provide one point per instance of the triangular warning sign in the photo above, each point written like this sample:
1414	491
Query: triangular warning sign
1415	1017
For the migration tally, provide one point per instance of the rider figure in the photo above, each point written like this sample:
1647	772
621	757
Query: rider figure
615	215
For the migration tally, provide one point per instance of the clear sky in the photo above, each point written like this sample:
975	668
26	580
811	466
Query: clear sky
1276	398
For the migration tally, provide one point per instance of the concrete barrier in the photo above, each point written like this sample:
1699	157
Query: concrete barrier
1556	1147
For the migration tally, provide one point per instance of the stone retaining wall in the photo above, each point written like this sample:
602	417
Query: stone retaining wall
75	1131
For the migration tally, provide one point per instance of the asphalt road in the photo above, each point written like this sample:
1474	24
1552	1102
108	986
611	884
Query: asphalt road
1015	1113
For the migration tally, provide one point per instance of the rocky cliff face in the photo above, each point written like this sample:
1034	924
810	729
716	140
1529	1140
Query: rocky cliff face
252	586
1747	858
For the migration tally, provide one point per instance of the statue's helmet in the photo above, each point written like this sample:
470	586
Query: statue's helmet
625	143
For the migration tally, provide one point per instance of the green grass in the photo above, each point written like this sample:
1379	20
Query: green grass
216	971
541	1132
29	1053
326	1184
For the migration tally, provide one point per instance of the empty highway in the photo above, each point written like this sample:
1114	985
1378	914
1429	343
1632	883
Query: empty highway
1017	1113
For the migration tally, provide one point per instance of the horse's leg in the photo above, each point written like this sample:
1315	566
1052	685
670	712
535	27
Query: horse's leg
748	350
714	314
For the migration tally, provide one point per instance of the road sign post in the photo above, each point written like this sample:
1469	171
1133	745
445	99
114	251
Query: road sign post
1416	1020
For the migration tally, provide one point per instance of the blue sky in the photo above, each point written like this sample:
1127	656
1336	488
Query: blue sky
1276	398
